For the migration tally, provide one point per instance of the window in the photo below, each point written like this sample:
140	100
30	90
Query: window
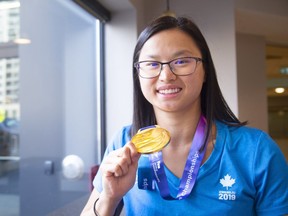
56	106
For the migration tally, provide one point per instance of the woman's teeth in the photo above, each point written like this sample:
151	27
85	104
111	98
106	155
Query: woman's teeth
169	91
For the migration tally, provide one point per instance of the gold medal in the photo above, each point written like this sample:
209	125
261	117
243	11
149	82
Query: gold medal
151	139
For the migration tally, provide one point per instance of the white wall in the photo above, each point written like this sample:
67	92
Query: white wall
120	37
252	80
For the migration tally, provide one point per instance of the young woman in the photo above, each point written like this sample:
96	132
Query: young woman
213	164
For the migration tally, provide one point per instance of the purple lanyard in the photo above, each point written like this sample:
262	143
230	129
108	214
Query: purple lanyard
191	168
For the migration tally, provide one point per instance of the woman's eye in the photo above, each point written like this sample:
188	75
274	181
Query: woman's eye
181	61
152	64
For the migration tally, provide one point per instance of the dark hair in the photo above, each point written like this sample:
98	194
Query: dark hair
213	105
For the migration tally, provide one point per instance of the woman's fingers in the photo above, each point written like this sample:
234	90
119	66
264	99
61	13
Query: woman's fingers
133	152
112	170
119	171
118	161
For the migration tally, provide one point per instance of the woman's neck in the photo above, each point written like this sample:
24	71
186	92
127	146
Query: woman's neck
182	126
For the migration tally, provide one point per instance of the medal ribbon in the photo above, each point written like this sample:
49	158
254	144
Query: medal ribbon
191	168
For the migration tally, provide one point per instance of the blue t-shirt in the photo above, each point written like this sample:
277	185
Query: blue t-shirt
246	174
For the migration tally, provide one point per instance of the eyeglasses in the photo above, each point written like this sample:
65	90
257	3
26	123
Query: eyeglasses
180	67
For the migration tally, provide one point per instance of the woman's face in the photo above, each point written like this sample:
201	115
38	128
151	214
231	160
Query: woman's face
169	92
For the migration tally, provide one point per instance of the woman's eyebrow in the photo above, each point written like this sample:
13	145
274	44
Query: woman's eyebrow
181	52
174	55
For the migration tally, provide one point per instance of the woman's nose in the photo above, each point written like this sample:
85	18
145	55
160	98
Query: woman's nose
166	73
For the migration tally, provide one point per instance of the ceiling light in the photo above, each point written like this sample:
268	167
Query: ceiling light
22	41
9	5
168	12
279	90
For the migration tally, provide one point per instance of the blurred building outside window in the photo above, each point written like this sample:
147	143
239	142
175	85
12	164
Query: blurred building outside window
9	80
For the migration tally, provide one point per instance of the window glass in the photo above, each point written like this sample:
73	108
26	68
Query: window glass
9	108
48	107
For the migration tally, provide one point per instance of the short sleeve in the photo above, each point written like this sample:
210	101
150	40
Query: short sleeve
270	178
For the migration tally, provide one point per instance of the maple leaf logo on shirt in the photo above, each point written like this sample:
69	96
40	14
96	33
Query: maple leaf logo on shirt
227	181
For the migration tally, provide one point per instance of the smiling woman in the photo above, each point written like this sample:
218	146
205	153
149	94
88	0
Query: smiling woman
206	162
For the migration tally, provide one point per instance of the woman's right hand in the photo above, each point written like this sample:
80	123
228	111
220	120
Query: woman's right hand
119	172
118	177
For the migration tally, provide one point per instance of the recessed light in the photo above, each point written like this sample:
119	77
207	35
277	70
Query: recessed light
279	90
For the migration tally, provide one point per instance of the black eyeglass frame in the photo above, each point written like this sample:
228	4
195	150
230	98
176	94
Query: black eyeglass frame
136	65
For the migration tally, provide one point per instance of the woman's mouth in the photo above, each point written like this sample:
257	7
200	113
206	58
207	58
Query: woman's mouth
169	91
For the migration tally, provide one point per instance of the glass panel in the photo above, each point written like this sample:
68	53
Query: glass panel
9	110
45	157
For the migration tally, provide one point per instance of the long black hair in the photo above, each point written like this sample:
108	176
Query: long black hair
213	104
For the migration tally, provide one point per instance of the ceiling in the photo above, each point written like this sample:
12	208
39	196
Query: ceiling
270	26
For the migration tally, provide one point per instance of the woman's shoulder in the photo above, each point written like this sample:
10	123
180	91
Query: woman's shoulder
242	132
247	137
121	137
